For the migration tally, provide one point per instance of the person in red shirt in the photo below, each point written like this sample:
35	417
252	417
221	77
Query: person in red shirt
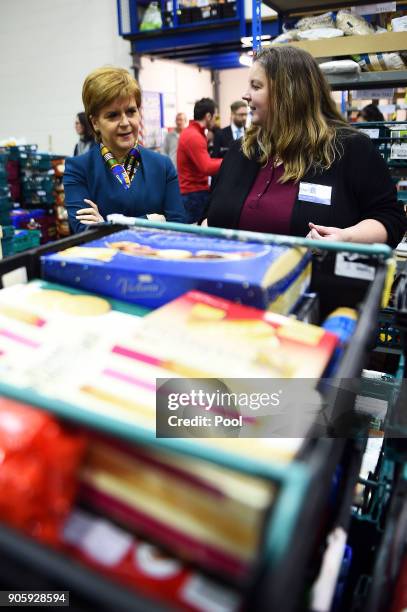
194	163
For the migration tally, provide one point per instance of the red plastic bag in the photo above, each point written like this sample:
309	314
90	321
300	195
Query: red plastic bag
39	461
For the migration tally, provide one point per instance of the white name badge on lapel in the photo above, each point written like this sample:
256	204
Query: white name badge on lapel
318	194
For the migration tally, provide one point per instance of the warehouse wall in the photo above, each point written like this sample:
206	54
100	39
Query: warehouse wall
182	85
233	84
50	46
47	48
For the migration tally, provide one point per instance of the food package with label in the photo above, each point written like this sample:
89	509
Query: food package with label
65	346
376	62
208	514
118	554
233	339
152	267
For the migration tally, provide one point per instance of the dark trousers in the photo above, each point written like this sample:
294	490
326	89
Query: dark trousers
196	205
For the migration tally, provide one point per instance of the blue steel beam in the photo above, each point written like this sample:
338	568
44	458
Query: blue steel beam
191	40
160	45
214	60
183	39
256	25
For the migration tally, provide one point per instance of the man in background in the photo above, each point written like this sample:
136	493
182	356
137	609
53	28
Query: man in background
194	163
170	145
224	138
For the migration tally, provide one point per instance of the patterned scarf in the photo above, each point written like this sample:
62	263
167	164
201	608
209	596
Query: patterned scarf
125	172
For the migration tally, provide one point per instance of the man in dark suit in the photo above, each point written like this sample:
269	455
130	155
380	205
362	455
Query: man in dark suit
224	138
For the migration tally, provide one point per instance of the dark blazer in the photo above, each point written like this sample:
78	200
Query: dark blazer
222	142
361	189
154	189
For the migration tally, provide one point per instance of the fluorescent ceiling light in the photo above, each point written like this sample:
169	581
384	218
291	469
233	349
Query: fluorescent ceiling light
247	41
245	59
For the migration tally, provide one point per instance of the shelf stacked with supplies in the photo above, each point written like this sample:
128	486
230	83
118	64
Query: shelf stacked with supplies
353	45
368	80
386	42
206	34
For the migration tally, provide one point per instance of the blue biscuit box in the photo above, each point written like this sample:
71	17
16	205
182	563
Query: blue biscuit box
152	267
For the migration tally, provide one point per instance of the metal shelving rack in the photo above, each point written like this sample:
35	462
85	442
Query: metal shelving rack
367	80
215	43
210	43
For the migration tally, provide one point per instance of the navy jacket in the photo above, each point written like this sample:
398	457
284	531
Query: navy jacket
154	189
361	189
222	142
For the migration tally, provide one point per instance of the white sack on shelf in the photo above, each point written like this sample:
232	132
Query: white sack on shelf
285	37
339	67
352	24
318	33
399	24
320	21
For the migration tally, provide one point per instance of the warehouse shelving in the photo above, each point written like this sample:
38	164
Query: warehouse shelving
215	43
210	43
368	80
353	45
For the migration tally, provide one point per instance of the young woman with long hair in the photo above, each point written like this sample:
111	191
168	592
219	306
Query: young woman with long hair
300	168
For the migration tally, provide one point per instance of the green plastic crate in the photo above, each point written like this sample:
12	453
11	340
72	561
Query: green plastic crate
38	161
17	151
7	240
6	203
390	138
25	239
33	183
389	334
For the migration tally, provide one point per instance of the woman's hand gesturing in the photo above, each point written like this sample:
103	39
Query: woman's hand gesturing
322	232
87	216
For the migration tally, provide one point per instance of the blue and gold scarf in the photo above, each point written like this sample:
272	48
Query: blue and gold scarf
125	172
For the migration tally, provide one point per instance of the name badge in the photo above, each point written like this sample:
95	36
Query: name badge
318	194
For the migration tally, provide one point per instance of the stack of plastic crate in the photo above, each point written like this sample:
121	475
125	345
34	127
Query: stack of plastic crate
61	214
36	176
6	204
390	138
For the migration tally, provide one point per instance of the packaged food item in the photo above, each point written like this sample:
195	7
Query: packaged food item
399	24
326	20
38	470
152	267
118	554
317	33
376	62
152	18
205	513
64	344
341	322
339	67
352	24
264	343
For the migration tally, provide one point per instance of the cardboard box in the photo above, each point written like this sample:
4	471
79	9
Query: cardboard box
153	267
266	343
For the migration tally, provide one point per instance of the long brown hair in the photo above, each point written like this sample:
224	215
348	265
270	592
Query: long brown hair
302	121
